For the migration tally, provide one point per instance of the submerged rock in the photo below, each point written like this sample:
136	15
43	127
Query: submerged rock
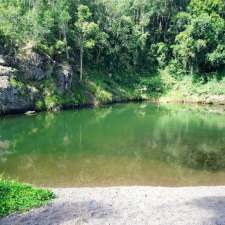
30	113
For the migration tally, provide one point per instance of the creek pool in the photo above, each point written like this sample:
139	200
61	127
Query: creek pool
118	145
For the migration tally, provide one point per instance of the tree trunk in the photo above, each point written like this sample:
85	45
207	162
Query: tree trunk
98	56
65	39
81	63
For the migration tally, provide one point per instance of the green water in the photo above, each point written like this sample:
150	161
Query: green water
130	144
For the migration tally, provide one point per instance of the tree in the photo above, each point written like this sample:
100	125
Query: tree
12	24
63	19
86	33
200	47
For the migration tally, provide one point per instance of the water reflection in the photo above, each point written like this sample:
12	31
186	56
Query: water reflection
133	144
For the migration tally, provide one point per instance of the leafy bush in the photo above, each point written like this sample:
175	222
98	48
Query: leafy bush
17	197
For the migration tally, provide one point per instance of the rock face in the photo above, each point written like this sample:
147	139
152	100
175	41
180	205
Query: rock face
11	98
31	64
6	71
18	96
2	60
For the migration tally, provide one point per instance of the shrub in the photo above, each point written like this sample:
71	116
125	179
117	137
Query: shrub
17	197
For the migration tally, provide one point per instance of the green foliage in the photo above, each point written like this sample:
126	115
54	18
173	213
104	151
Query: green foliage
17	84
118	37
17	197
83	13
97	89
12	20
22	88
193	89
39	105
152	85
87	33
217	57
200	46
51	102
207	6
50	99
122	35
162	54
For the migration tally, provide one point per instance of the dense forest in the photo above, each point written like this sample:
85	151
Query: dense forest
128	42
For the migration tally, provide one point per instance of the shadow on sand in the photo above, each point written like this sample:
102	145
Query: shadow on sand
59	213
214	205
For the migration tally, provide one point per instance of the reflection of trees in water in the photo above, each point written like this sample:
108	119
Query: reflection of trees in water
101	114
192	139
4	145
184	135
4	150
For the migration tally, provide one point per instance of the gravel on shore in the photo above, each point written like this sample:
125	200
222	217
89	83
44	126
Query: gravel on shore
128	206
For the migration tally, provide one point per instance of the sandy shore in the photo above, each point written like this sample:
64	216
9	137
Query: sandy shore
129	206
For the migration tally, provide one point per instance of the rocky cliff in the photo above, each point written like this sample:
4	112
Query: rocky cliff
11	97
30	81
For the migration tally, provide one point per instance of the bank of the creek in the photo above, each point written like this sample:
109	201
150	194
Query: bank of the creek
129	206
